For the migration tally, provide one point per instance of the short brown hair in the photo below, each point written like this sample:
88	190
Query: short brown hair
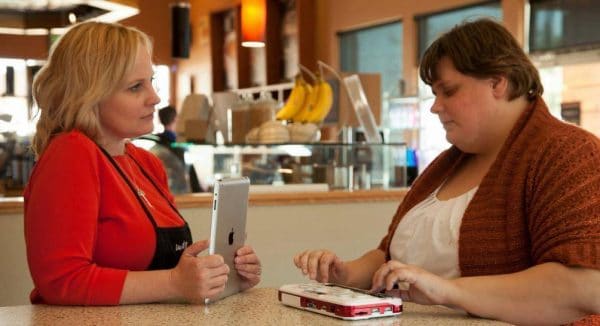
484	49
167	115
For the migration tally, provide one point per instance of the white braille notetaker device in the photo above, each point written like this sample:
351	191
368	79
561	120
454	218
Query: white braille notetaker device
339	301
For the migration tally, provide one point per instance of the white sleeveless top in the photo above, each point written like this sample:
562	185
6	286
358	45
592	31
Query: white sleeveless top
427	236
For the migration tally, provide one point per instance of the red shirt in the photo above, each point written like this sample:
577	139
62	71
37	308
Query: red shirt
84	228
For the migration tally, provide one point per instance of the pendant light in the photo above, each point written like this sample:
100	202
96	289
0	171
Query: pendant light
254	21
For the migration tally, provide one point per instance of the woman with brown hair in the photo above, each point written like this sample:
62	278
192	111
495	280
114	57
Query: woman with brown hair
101	227
506	223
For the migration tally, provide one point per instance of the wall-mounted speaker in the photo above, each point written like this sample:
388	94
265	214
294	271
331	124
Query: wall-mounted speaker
10	81
180	30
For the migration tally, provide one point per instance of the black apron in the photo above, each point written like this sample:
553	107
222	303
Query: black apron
170	241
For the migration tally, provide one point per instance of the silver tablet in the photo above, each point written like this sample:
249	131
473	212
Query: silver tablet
228	226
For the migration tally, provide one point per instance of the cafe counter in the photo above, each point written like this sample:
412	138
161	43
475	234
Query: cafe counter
254	307
280	224
267	196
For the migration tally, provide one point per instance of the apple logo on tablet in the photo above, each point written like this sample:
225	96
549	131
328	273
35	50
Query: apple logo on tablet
231	237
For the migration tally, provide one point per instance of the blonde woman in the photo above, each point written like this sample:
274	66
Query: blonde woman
101	227
505	224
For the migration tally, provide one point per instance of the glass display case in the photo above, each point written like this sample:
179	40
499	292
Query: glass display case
340	166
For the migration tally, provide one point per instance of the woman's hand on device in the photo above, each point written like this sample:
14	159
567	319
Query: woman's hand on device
423	287
322	265
247	266
198	278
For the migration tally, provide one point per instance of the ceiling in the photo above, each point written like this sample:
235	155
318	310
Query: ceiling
41	16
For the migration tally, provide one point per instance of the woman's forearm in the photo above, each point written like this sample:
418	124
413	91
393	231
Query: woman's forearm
547	293
148	286
361	270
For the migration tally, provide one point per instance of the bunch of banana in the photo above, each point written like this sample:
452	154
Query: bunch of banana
318	103
295	101
323	103
304	112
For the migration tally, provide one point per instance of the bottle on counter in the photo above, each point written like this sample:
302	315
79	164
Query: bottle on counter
28	162
16	166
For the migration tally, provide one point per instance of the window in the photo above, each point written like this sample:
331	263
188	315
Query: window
376	49
163	89
16	76
15	80
564	24
432	25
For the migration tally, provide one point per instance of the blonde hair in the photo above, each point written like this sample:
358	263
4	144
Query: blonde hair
84	67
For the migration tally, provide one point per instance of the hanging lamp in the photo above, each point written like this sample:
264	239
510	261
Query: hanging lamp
254	21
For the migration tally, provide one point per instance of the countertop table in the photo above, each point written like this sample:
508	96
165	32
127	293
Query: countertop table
255	307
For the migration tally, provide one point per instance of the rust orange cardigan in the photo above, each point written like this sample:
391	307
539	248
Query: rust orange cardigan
539	202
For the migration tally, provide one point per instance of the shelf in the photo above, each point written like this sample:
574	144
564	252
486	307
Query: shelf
341	166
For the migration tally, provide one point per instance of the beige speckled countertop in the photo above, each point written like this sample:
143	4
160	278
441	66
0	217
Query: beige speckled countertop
254	307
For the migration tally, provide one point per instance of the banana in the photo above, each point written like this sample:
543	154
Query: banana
295	101
311	96
323	102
